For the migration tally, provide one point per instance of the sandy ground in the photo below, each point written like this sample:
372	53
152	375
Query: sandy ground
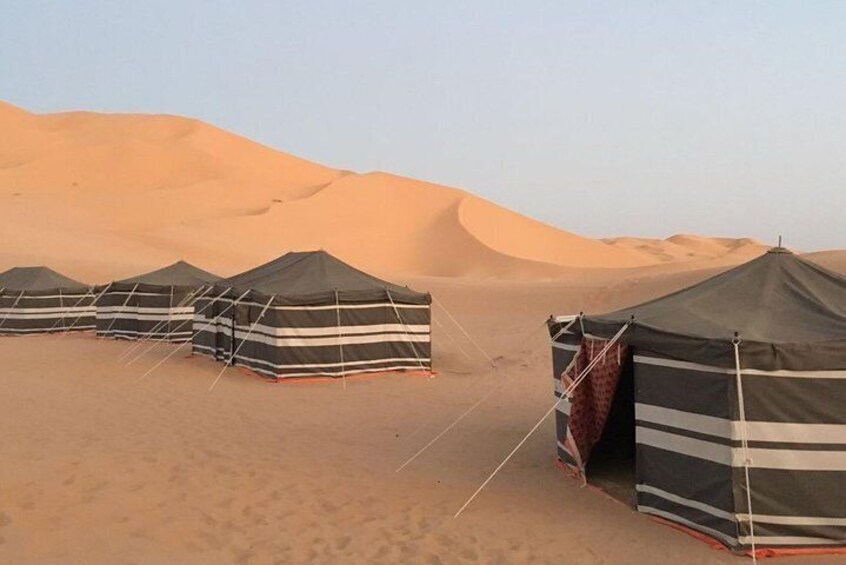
99	467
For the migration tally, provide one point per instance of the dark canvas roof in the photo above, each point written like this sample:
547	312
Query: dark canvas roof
782	307
314	277
37	279
178	274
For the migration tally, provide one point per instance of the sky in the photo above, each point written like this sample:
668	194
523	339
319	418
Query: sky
721	118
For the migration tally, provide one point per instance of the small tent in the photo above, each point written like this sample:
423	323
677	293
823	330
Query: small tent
307	314
40	300
729	394
155	305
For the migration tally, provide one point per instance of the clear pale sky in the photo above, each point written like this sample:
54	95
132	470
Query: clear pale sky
602	118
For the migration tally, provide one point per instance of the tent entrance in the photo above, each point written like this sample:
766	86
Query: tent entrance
611	465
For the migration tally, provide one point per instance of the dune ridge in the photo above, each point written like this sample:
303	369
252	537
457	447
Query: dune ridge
107	195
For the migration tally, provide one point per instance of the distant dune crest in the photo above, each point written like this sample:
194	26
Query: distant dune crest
106	195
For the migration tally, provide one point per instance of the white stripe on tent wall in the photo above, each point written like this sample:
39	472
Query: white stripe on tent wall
326	330
145	317
689	366
329	307
147	309
701	506
762	458
317	342
25	314
728	429
565	346
788	540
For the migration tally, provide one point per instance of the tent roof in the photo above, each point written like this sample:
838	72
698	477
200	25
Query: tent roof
316	275
178	274
37	279
778	298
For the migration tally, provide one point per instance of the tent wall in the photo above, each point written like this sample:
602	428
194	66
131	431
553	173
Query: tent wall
564	351
796	428
48	311
123	314
302	341
684	415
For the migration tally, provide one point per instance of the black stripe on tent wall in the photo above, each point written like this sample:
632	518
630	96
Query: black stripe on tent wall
146	300
728	528
785	492
317	370
78	299
331	353
683	389
826	534
685	476
805	400
131	327
58	320
352	314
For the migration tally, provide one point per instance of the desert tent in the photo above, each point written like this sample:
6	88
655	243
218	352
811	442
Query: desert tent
733	391
155	305
40	300
307	314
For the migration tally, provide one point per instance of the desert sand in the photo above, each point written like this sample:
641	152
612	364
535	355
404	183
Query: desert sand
99	467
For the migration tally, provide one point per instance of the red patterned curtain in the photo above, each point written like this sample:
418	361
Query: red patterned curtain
591	400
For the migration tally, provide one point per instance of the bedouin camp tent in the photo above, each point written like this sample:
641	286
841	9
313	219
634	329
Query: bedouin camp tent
733	392
40	300
308	313
155	305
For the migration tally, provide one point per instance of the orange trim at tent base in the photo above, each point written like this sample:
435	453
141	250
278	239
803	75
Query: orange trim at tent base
713	543
327	379
319	378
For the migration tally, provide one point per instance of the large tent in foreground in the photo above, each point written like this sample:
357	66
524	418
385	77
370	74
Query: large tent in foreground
730	395
307	314
155	305
40	300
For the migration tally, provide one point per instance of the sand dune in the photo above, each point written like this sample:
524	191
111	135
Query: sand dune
106	195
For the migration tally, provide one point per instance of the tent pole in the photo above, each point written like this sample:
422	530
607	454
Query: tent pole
340	338
172	353
243	341
62	306
744	441
566	394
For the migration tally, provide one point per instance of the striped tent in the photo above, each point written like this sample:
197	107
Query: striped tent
730	396
308	313
155	305
40	300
